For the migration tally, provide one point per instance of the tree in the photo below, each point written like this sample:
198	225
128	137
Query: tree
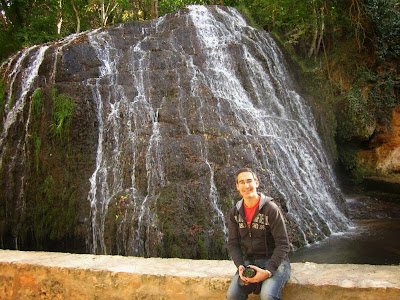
78	19
59	15
154	9
106	8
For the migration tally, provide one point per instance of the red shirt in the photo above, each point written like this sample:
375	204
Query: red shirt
250	211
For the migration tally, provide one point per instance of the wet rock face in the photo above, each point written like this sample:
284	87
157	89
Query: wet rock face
165	112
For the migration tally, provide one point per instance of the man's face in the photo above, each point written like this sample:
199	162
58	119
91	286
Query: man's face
247	185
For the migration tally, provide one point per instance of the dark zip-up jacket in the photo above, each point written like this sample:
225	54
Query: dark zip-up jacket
266	237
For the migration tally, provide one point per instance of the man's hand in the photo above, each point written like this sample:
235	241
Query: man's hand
245	279
261	275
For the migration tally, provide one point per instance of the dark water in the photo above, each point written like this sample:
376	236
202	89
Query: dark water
372	241
374	237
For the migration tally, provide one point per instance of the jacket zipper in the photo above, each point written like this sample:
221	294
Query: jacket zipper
248	227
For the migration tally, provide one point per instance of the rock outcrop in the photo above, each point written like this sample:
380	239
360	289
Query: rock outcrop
384	155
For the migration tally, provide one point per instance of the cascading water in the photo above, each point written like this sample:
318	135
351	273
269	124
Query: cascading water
179	103
276	114
122	132
14	108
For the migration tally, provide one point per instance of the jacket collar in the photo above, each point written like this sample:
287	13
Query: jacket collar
264	199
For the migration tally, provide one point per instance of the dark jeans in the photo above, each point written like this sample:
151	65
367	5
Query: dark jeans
271	288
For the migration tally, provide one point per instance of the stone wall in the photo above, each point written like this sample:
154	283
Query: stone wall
44	275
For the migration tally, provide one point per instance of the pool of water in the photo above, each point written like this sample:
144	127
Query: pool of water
368	241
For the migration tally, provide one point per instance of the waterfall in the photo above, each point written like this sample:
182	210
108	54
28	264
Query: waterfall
276	121
274	114
170	109
118	137
14	108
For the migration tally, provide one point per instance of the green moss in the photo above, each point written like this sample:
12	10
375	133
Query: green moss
370	100
36	113
220	247
202	248
355	116
37	145
175	251
37	103
176	239
226	203
53	212
349	158
11	102
188	228
63	109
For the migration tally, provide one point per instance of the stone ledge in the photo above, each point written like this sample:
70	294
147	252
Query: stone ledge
47	275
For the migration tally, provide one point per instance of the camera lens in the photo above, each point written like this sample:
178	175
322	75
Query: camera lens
249	272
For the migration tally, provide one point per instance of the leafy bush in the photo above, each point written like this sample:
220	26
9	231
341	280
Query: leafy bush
355	116
370	100
385	18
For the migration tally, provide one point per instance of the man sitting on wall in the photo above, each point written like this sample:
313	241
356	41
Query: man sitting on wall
258	242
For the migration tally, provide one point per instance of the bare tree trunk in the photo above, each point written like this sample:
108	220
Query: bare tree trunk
106	11
59	17
78	19
154	9
103	14
321	31
3	21
314	40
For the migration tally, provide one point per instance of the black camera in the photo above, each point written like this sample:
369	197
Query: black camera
249	273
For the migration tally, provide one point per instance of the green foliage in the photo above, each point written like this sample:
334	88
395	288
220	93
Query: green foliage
355	116
382	95
244	10
219	246
226	203
168	6
385	18
353	163
202	248
370	100
348	157
30	22
37	141
36	113
295	22
37	104
63	109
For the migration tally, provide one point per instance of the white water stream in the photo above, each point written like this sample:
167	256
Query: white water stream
275	115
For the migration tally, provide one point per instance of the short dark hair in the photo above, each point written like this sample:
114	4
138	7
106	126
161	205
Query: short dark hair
242	170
